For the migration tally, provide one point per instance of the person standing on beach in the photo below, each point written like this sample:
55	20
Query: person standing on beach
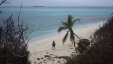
53	45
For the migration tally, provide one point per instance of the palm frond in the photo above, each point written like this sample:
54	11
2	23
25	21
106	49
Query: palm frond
64	24
65	37
73	22
61	28
68	25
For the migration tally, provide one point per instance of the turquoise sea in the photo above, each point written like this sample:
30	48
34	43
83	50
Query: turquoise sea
46	20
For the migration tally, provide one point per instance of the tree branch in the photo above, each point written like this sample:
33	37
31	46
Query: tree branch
2	2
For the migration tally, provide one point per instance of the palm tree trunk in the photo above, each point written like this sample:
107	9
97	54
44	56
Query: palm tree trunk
77	36
74	43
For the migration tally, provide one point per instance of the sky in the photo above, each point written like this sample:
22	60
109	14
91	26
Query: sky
59	3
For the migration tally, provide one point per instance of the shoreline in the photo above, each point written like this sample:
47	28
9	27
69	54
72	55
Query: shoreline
42	47
35	39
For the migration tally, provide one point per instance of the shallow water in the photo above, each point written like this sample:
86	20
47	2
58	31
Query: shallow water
46	20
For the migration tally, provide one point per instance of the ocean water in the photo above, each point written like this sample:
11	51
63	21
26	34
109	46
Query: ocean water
46	20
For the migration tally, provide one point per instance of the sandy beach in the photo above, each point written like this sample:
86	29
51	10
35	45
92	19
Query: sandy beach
41	51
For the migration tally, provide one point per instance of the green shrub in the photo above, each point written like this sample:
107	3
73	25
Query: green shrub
83	45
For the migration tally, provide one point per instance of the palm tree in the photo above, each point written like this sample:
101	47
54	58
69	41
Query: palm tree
68	26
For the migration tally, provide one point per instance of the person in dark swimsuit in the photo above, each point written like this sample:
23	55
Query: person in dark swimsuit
53	45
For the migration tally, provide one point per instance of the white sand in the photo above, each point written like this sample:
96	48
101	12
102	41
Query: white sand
39	49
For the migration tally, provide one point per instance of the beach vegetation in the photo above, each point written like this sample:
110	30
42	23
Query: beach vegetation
13	42
68	26
82	45
101	49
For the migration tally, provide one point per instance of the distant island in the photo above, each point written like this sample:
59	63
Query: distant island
38	6
75	6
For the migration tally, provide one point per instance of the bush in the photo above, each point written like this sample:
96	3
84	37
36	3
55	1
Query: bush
101	51
13	43
83	45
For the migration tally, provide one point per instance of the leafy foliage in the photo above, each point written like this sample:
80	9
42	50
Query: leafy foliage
83	45
101	51
68	26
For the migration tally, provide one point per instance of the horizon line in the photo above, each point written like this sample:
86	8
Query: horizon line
64	6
